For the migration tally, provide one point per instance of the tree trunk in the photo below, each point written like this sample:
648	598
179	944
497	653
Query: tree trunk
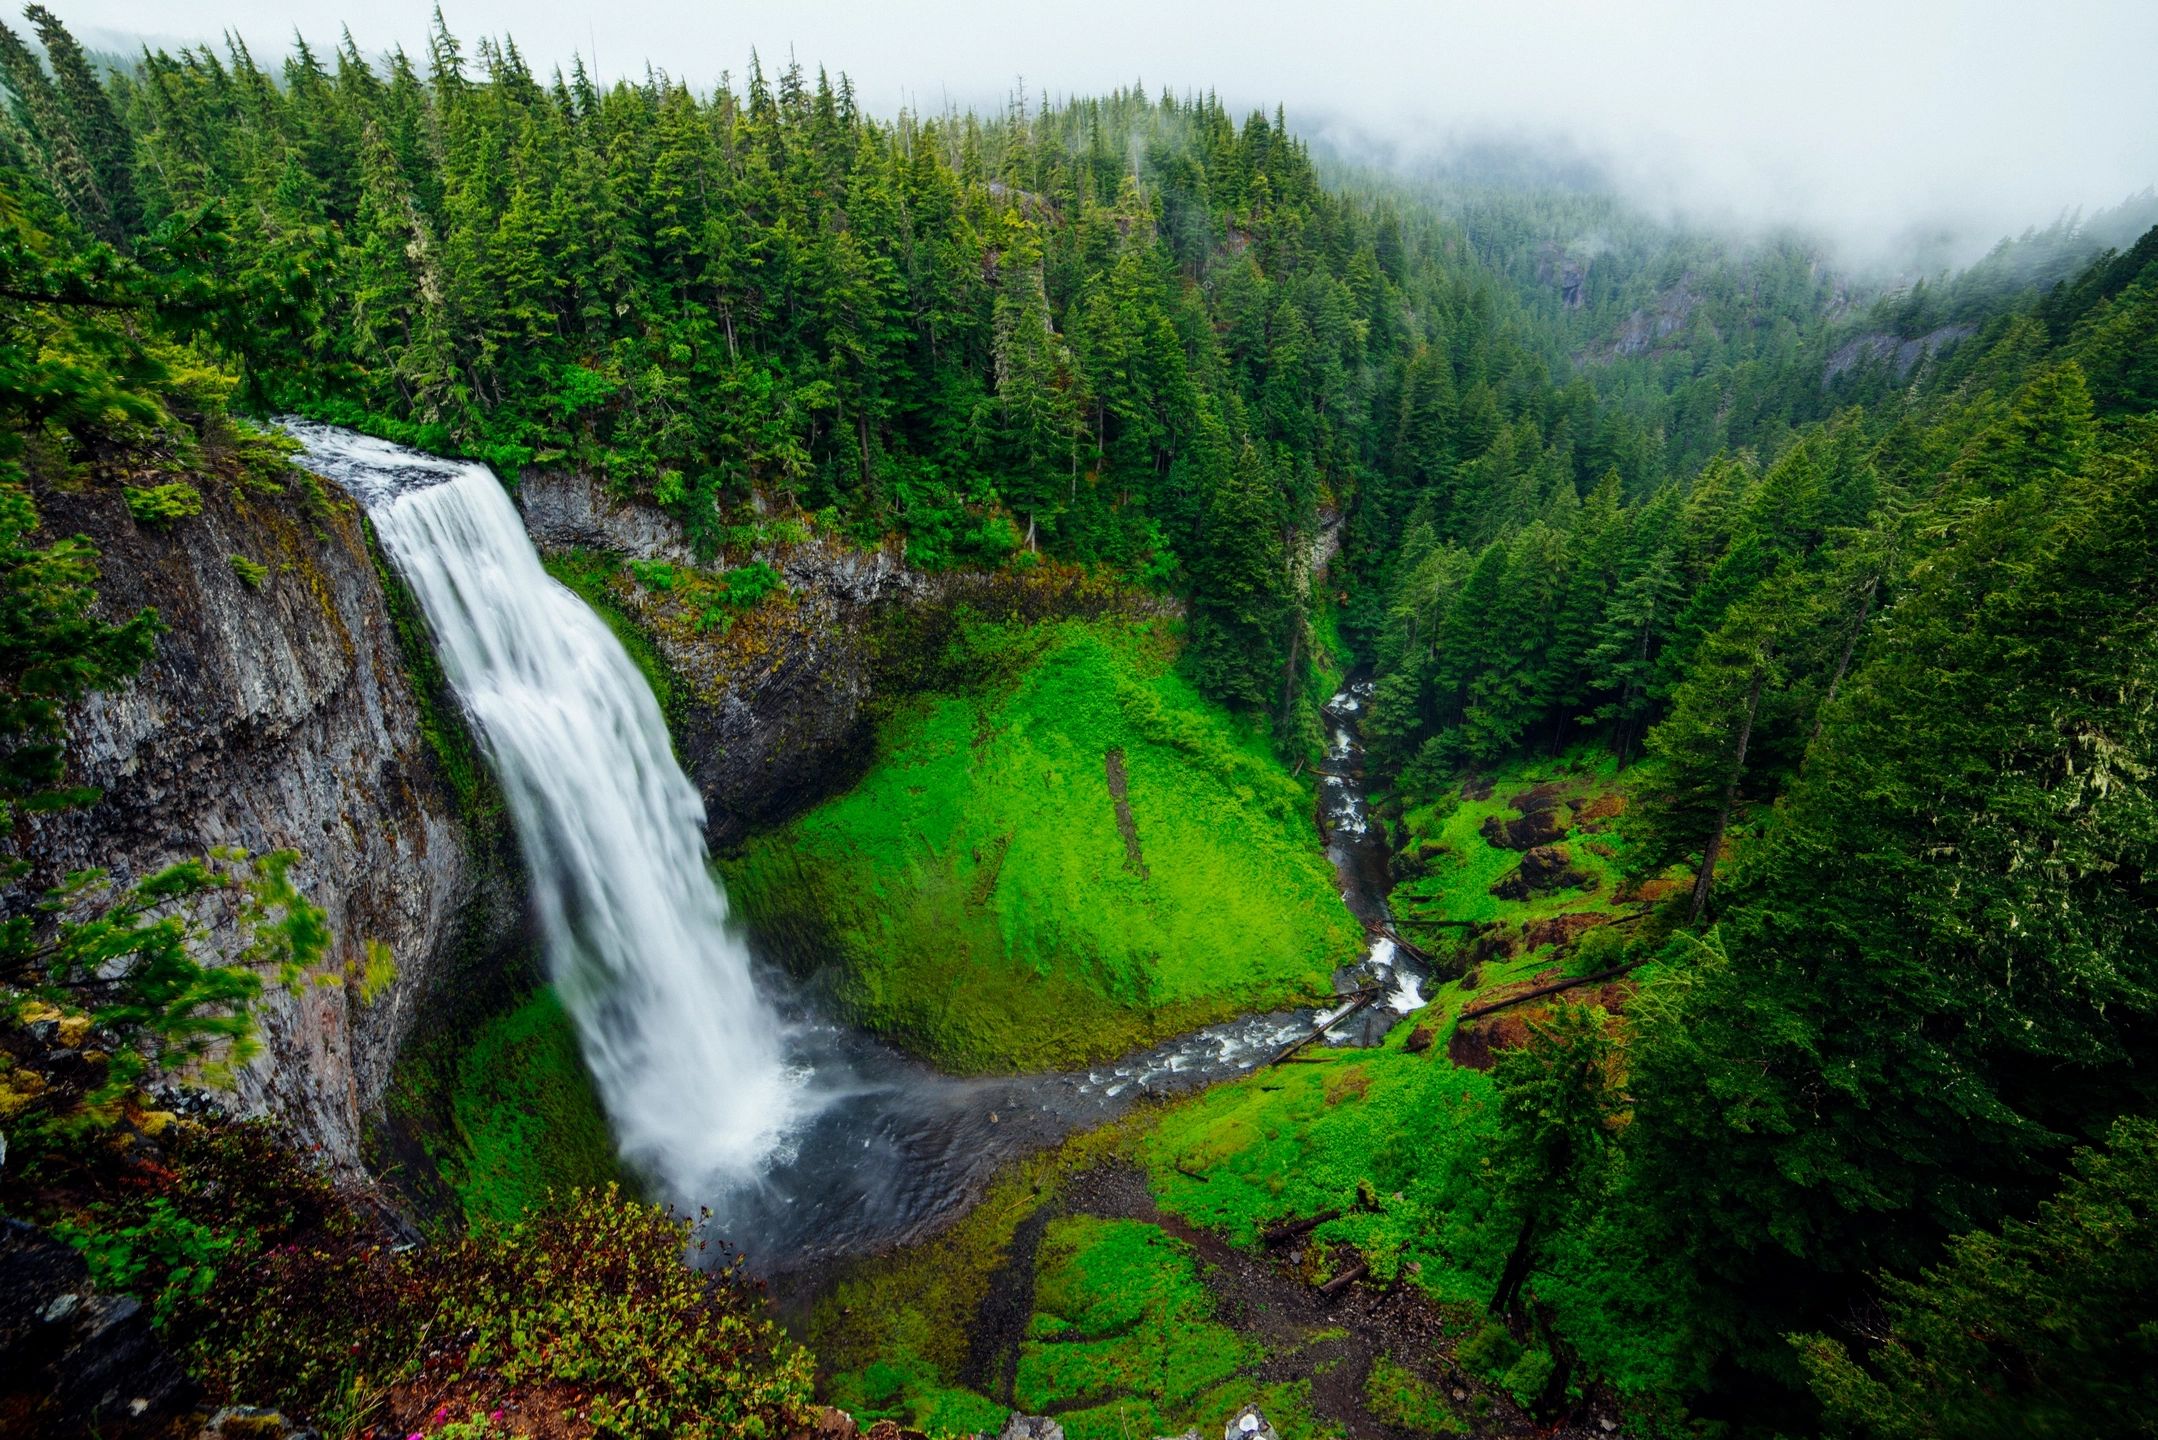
1517	1269
861	432
1707	878
1843	665
1288	674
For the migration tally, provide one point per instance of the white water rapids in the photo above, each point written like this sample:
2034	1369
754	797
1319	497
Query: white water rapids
688	1057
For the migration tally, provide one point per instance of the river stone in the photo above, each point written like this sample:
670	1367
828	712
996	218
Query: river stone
1030	1427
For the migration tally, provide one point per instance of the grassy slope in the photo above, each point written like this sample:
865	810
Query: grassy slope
977	889
1464	867
1398	1139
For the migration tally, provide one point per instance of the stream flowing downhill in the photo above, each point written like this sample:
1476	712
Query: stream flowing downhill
807	1139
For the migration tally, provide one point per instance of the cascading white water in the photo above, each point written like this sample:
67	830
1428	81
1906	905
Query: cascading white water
689	1060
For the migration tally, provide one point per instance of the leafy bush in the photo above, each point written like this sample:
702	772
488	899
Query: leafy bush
587	1307
1491	1352
1528	1377
251	574
161	505
164	1254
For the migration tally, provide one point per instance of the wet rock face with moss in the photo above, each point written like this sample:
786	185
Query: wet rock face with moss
770	710
275	714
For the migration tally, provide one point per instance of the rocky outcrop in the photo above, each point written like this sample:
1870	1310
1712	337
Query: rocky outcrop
1544	868
275	714
774	718
776	711
72	1360
1898	354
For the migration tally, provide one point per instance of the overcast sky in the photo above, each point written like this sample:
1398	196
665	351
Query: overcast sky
1861	119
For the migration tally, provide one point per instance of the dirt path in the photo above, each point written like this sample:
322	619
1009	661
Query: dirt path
1264	1298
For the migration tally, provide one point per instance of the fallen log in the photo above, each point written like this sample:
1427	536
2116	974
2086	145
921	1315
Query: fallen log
1542	990
1363	998
1413	950
1282	1234
1345	1279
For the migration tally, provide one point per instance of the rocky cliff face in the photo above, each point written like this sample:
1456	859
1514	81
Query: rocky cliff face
775	716
273	717
777	712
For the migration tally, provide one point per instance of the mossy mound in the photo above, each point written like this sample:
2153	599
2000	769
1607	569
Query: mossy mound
525	1117
1077	856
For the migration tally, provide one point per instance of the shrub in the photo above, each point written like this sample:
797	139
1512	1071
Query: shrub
587	1299
251	574
161	505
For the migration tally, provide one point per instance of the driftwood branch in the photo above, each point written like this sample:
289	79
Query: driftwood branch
1363	998
1282	1234
1345	1279
1542	990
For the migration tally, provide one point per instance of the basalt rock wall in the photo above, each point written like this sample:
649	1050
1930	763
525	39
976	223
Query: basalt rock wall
278	715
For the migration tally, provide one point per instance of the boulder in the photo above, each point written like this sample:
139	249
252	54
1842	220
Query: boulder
1560	931
1030	1427
1543	868
1248	1424
828	1423
1537	827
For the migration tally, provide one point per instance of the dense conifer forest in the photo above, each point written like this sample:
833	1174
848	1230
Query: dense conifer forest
1848	588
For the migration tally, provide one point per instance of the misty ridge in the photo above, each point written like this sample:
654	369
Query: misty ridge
1887	200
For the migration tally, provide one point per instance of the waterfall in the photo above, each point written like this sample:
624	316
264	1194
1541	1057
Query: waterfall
689	1059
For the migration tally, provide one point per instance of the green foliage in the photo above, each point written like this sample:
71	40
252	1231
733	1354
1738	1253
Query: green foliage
1557	1106
715	599
129	965
249	573
1121	329
164	1254
161	505
986	907
588	1310
2045	1327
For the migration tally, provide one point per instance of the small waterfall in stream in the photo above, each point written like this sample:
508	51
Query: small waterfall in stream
689	1059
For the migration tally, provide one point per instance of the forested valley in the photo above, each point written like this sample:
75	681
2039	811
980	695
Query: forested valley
1755	694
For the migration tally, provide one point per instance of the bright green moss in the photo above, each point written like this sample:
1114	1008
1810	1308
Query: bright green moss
981	896
1445	838
525	1114
1400	1397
